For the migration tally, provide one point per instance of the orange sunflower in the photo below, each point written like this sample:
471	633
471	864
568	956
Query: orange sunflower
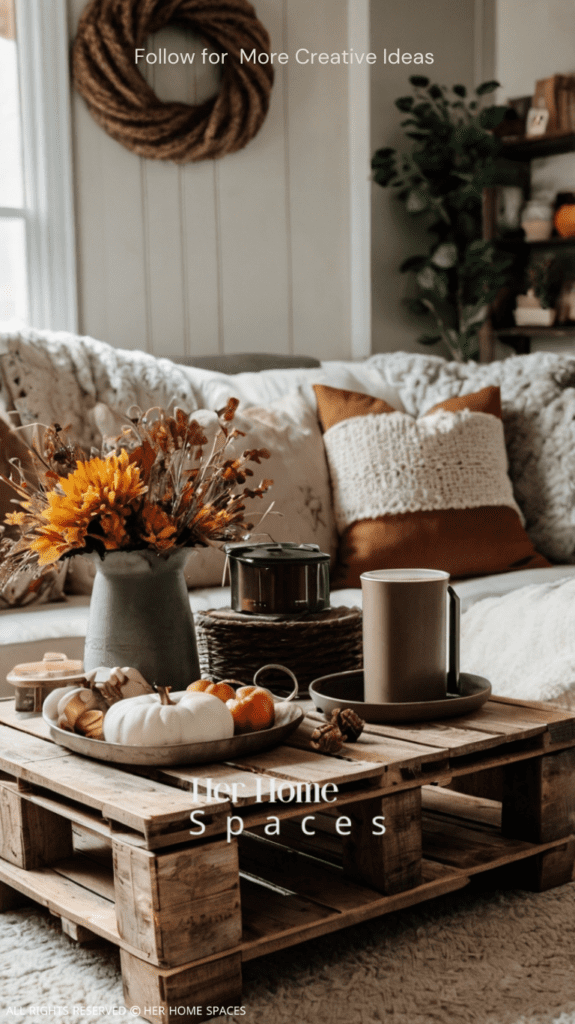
99	491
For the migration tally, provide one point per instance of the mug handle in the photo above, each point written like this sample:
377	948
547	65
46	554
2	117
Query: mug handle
454	631
288	672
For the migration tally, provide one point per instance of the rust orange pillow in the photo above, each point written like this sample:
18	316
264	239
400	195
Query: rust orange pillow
431	492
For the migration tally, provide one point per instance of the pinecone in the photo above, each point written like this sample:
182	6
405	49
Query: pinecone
349	724
327	739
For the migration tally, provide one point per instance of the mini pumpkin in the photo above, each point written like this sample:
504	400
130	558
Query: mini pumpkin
163	719
90	724
222	690
252	709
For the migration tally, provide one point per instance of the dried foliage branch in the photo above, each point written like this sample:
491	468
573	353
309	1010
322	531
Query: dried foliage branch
154	489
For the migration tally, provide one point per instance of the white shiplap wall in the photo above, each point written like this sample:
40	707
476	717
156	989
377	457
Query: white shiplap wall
248	253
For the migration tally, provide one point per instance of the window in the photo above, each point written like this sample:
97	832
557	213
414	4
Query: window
37	248
13	283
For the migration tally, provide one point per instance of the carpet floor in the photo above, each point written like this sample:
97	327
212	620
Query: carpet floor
472	957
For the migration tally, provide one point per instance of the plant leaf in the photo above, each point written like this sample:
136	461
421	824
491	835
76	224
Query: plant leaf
416	201
419	81
429	339
445	255
486	87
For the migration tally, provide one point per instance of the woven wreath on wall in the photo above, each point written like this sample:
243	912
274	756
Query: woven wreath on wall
105	72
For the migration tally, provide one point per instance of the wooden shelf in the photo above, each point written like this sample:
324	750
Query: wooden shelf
566	331
524	148
517	243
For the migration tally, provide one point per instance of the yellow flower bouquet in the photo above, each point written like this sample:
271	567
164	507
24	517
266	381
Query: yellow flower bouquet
156	489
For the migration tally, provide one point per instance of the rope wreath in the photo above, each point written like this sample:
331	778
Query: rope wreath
105	73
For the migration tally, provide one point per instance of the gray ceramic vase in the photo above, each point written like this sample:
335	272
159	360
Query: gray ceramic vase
140	617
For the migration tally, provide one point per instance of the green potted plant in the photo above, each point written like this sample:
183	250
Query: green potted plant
453	159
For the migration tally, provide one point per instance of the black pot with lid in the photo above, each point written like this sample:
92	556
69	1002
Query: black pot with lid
278	579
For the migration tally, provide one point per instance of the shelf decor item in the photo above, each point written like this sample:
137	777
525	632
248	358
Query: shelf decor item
106	74
537	219
442	181
137	507
564	219
543	279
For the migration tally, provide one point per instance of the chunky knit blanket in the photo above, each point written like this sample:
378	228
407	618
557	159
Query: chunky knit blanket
524	642
42	374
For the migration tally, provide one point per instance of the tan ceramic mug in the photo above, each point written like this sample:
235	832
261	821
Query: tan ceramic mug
405	635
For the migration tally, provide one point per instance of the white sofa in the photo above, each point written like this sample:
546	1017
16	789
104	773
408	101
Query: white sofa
81	381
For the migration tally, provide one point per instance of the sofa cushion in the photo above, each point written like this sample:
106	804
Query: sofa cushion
430	492
538	407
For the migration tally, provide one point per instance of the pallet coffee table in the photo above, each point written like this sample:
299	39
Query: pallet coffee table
110	851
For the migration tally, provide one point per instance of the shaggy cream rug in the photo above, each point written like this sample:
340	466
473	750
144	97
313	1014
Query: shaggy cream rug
471	957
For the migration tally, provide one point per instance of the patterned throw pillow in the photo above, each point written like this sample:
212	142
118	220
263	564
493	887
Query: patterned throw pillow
430	492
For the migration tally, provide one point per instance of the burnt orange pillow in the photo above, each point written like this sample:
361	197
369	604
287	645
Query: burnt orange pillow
427	493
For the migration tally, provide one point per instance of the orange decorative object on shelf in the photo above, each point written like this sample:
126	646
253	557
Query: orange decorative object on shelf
564	219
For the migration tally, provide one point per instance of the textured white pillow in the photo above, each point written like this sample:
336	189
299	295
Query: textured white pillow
289	429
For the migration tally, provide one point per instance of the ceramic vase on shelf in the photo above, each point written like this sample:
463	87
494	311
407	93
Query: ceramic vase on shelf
140	617
537	219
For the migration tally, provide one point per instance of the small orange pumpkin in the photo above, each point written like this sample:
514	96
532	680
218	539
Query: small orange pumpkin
252	709
222	690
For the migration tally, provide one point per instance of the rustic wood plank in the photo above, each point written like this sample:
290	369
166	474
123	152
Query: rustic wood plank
302	874
214	983
295	765
268	926
80	935
472	849
373	746
546	870
390	862
539	797
178	906
461	805
18	749
119	795
30	836
96	877
551	711
249	787
63	897
31	723
455	740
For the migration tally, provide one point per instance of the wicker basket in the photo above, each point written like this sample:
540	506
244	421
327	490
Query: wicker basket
232	645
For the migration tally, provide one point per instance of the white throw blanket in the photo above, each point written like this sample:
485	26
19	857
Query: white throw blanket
524	642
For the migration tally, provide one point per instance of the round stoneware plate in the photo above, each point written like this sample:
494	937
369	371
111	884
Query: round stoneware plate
287	718
345	690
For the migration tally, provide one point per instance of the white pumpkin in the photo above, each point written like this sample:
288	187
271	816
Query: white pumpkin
163	719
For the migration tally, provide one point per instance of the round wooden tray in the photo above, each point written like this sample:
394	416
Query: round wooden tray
287	718
345	690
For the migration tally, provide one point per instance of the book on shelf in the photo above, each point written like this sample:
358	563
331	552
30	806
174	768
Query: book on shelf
557	94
